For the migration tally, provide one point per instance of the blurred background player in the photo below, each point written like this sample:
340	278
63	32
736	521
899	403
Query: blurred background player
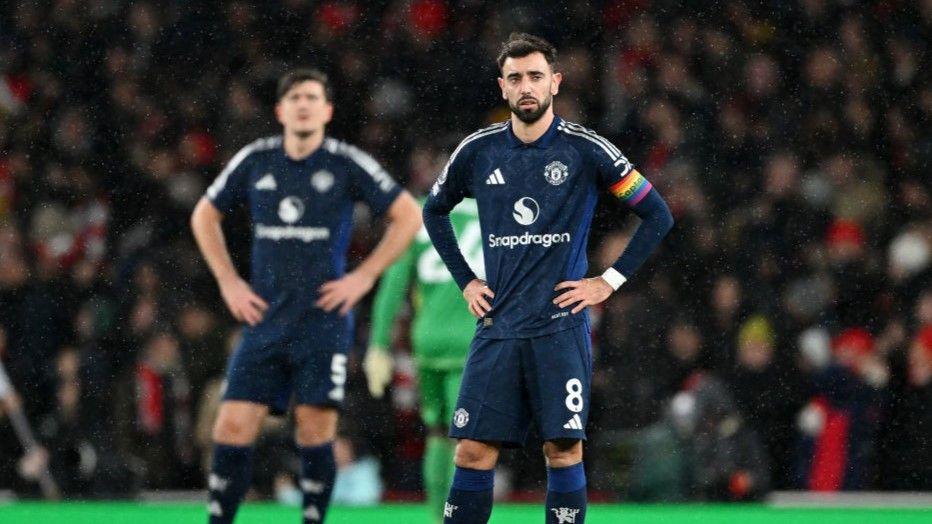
301	188
536	180
441	332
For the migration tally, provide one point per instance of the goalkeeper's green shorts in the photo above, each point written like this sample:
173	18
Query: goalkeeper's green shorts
439	389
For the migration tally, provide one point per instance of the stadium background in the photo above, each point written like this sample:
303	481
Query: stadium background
792	140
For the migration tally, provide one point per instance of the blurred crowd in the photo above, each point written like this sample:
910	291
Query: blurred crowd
781	339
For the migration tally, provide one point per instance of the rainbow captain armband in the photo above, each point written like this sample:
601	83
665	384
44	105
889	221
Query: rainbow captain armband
632	188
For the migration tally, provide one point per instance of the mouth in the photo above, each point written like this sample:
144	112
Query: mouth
528	104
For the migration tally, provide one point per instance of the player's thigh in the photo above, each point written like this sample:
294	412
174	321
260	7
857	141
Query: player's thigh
238	422
431	390
491	405
315	425
319	367
559	375
258	372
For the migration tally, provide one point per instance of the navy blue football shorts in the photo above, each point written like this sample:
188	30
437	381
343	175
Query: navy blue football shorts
508	383
305	361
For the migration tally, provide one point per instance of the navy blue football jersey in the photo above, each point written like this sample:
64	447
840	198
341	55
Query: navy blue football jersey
302	214
536	202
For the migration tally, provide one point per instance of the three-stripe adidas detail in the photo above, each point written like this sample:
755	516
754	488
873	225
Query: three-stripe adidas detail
495	178
573	423
261	144
613	152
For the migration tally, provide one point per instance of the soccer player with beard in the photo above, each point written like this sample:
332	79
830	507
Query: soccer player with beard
301	188
535	179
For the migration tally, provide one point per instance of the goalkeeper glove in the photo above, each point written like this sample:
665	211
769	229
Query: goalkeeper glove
379	367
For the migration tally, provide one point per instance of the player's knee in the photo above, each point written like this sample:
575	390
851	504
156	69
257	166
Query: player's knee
315	426
233	430
310	435
563	452
475	455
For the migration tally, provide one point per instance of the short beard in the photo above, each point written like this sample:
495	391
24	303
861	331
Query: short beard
303	135
531	116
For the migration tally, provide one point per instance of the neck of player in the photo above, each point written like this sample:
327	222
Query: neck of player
528	133
299	146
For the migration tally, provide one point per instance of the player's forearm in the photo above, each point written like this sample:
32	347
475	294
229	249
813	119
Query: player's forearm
6	388
656	222
205	225
404	222
440	229
388	300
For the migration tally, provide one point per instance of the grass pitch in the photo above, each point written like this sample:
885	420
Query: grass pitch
152	513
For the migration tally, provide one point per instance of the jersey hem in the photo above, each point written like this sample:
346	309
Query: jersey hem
550	330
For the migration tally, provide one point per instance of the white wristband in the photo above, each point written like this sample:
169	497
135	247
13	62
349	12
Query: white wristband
614	278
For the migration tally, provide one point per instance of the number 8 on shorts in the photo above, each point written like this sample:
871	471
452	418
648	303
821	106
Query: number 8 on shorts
574	395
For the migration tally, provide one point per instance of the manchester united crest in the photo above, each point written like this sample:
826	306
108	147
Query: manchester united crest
322	181
460	418
556	172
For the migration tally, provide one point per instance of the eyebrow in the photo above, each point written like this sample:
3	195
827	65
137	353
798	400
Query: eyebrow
518	73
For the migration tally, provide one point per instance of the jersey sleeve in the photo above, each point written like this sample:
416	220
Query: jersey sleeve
371	183
229	189
452	185
449	190
621	179
393	288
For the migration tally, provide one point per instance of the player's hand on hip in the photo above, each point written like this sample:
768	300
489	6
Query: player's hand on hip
475	294
345	292
245	305
585	292
379	367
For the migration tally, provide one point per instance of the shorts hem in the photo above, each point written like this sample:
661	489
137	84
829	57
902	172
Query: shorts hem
507	442
270	403
511	439
551	436
320	404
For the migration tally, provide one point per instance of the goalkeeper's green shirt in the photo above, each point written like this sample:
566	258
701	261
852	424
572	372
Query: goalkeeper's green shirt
442	328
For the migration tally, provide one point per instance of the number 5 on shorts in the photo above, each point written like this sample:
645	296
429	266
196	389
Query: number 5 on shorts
337	376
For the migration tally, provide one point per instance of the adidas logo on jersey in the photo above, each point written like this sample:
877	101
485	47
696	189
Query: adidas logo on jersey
573	423
495	179
267	183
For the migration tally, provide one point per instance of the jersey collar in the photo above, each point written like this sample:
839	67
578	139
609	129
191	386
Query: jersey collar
541	143
314	154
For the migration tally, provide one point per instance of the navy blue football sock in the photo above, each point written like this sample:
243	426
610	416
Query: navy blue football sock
230	476
470	500
566	495
318	470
